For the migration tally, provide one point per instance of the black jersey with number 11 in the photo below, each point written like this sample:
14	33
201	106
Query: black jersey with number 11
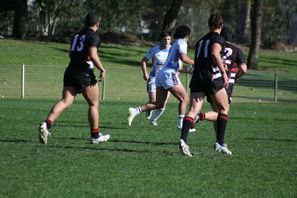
204	67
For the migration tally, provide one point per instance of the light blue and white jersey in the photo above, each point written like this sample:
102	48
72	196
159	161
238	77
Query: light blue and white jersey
173	61
158	57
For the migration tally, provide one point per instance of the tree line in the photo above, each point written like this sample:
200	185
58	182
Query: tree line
59	19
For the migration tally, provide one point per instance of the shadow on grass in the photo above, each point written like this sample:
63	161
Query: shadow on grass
277	60
96	148
271	139
17	141
127	141
145	142
266	99
84	125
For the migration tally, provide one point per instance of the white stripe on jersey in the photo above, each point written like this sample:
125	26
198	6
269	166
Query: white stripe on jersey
231	81
217	75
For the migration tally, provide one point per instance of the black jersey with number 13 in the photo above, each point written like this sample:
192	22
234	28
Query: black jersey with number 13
79	50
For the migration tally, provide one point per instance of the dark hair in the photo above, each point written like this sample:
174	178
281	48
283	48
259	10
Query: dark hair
165	33
91	19
182	31
226	33
215	21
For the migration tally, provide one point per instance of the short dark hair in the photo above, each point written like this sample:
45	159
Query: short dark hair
91	19
215	21
226	33
165	33
182	31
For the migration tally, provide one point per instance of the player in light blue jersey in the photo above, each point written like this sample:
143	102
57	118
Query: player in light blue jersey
167	79
157	55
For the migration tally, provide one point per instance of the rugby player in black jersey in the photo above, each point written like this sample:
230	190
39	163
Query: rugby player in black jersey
79	77
235	66
209	78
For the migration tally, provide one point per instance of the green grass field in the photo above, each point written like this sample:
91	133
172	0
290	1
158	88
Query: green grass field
139	161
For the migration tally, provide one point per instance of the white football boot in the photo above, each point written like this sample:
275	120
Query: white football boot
100	139
222	149
184	148
43	133
131	115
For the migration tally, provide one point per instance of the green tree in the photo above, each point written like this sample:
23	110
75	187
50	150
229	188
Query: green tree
20	13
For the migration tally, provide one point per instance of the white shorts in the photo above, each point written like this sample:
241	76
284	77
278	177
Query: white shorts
167	79
151	84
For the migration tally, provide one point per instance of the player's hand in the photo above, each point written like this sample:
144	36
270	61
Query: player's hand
226	67
146	76
225	78
102	75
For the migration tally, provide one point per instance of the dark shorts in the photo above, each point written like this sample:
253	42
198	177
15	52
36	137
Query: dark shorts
229	98
229	90
79	80
206	86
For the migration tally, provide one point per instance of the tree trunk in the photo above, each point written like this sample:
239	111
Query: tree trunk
256	22
243	21
20	14
171	15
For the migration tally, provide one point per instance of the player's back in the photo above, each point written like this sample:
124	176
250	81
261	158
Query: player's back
203	66
79	49
233	56
172	62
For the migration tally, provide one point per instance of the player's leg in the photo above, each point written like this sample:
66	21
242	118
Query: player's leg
151	89
180	94
161	96
158	112
188	122
152	98
221	98
68	96
91	95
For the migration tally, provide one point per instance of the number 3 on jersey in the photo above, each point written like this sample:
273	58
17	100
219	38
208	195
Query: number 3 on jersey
78	46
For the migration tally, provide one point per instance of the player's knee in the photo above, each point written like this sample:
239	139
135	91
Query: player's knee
183	100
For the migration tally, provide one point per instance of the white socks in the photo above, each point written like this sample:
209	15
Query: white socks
180	121
156	115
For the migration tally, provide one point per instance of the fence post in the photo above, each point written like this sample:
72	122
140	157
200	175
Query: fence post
275	85
23	81
103	86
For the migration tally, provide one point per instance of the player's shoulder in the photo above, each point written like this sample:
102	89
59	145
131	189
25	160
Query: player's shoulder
233	47
155	49
218	38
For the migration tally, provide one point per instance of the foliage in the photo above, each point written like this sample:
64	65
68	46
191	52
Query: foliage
145	18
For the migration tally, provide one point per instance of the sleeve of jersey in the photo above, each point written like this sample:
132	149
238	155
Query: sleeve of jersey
220	40
150	53
183	47
94	41
240	59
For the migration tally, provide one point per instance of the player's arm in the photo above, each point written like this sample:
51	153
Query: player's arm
96	60
146	76
242	69
187	70
186	59
216	57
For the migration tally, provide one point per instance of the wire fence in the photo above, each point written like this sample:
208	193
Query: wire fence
126	84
